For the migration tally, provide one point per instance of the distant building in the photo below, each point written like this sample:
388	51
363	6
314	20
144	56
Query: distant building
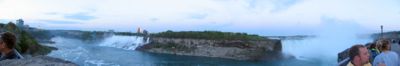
139	30
20	23
111	31
145	32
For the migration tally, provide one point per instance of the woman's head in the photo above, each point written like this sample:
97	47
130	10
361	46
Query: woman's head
7	40
384	45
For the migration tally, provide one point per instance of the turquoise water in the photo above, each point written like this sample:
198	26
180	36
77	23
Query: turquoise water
120	53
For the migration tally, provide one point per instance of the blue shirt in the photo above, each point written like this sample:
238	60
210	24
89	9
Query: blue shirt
389	58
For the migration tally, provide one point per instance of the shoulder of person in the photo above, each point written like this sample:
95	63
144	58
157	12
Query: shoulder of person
394	53
378	58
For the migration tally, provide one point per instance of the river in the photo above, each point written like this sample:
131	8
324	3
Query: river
119	51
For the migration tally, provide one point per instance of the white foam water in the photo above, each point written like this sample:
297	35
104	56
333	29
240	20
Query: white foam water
124	42
98	63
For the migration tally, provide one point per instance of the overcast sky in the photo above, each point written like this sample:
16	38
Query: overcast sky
264	17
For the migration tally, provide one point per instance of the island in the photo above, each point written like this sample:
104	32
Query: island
228	45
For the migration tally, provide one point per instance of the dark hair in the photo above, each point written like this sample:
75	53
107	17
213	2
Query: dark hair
373	45
355	50
9	39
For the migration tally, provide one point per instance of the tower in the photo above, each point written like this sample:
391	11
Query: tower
381	32
20	23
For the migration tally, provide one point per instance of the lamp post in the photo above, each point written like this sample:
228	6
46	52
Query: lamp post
381	32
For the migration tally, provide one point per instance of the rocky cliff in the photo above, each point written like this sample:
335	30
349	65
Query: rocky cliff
229	49
26	44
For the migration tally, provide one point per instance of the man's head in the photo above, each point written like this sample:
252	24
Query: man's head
359	55
7	41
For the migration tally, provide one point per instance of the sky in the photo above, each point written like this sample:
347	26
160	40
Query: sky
263	17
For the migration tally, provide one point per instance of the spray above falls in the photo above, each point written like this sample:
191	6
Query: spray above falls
124	42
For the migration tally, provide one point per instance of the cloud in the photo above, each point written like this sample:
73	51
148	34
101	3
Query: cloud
271	5
59	22
84	16
198	16
153	19
52	13
256	16
284	4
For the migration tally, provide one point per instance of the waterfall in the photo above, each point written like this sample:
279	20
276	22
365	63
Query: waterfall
124	42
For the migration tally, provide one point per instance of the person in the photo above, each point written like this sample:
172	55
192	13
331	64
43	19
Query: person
7	44
359	56
398	42
386	57
373	50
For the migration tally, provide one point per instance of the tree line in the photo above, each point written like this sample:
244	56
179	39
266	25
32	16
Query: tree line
213	35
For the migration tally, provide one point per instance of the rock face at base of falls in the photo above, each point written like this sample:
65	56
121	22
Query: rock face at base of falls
229	49
37	61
